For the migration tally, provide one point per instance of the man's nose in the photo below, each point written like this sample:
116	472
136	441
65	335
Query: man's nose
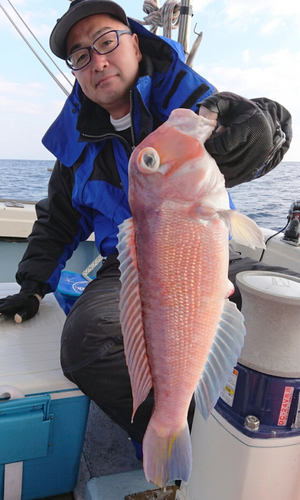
99	61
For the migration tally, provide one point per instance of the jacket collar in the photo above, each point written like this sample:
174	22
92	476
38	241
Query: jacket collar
93	121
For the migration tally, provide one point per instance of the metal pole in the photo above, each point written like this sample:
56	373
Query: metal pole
156	30
195	47
185	24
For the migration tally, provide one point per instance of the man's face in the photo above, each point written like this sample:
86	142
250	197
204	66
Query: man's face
108	78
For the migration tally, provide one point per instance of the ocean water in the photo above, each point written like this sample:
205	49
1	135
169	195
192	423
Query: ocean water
24	179
266	200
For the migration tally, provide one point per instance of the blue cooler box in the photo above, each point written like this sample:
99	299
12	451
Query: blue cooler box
42	415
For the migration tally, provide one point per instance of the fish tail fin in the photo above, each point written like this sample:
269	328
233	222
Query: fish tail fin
243	229
223	356
167	457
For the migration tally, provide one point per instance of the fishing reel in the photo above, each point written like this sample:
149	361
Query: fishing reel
292	232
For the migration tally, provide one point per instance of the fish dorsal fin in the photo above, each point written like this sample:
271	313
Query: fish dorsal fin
223	356
131	316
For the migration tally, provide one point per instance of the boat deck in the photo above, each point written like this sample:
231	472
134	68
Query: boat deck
109	468
107	450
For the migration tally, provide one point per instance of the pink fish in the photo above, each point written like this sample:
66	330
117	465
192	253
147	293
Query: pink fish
181	333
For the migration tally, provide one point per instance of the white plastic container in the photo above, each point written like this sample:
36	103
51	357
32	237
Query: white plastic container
42	415
271	307
228	465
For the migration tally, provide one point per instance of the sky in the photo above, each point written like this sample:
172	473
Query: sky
249	47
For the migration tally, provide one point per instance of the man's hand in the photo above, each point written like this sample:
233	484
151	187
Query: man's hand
21	306
248	135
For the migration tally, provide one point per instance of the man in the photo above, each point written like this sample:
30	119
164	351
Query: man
128	80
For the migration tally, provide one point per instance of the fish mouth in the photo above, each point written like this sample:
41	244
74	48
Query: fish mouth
189	123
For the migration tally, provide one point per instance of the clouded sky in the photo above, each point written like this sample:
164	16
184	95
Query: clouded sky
250	47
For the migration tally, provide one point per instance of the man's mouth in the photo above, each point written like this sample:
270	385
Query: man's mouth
103	81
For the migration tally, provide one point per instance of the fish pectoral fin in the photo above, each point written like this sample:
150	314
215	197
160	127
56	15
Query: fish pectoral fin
243	229
167	457
131	316
223	356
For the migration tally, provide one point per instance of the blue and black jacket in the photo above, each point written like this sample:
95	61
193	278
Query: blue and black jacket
88	188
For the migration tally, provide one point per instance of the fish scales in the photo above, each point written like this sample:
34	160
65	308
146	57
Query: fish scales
180	301
181	334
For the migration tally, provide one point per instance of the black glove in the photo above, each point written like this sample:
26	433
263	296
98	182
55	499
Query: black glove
22	306
257	134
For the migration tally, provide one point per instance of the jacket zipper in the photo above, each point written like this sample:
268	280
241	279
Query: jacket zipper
110	136
131	121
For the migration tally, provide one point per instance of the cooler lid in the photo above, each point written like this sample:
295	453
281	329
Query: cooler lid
282	286
30	351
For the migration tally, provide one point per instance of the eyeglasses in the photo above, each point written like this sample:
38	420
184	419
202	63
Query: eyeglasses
104	44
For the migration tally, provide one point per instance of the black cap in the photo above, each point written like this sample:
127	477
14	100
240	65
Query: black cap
79	9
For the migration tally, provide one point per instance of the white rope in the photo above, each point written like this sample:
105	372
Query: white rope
91	267
166	16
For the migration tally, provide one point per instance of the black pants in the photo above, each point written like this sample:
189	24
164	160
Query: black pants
92	352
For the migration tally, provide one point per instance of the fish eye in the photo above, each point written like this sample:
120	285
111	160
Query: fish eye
148	160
